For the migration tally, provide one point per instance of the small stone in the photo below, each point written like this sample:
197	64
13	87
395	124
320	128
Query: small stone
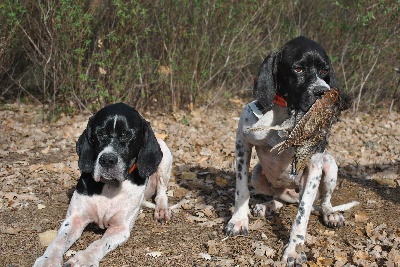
47	237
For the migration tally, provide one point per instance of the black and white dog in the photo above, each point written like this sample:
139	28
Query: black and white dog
290	79
122	163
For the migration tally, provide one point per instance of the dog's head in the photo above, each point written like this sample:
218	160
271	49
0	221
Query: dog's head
118	144
300	72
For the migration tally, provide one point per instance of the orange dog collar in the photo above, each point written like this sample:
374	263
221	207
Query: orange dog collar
133	168
279	100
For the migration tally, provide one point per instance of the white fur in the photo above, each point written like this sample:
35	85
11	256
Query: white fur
320	82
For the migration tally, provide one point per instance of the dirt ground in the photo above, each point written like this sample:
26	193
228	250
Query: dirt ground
38	172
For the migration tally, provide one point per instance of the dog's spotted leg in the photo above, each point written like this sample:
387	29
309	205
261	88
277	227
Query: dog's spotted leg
311	181
113	237
70	230
118	231
238	224
158	184
328	183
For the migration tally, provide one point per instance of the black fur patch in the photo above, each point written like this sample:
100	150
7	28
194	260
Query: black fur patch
88	186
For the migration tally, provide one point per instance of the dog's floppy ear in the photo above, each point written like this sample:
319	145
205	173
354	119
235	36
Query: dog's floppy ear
345	101
150	155
332	78
84	149
265	87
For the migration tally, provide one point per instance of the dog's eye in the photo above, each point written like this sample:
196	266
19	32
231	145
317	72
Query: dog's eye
125	136
298	69
102	136
324	71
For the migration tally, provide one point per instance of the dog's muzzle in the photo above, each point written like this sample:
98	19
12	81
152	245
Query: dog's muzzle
109	166
108	160
319	90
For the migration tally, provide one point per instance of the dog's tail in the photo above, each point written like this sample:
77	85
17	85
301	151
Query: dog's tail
342	207
151	205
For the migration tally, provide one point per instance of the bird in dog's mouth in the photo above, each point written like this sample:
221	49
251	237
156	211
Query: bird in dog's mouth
311	130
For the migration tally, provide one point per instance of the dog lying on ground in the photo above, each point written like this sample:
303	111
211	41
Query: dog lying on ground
291	79
122	163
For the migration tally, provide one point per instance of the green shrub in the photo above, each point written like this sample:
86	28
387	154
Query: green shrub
74	55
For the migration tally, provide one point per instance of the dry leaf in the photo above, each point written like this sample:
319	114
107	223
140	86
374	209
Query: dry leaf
46	150
386	182
162	136
205	256
264	236
261	250
340	255
328	233
180	192
324	261
154	254
188	175
361	217
47	237
221	182
360	255
186	206
212	247
208	212
258	224
369	228
208	224
102	71
394	256
165	70
9	230
269	252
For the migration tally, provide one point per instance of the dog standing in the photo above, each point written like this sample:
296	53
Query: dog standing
122	163
291	79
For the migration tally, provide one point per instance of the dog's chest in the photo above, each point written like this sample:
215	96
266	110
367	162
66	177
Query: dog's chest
276	167
112	206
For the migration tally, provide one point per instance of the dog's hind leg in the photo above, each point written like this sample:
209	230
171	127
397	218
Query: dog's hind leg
158	184
263	186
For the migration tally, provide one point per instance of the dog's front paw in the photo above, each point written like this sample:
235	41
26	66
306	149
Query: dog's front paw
162	214
82	259
334	219
237	226
292	258
45	261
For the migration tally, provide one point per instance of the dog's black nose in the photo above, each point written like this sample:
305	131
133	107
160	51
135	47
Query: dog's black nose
108	160
320	90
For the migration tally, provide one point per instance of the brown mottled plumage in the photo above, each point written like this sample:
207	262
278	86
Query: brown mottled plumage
309	135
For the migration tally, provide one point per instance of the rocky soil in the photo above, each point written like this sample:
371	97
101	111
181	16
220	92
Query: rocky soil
38	172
